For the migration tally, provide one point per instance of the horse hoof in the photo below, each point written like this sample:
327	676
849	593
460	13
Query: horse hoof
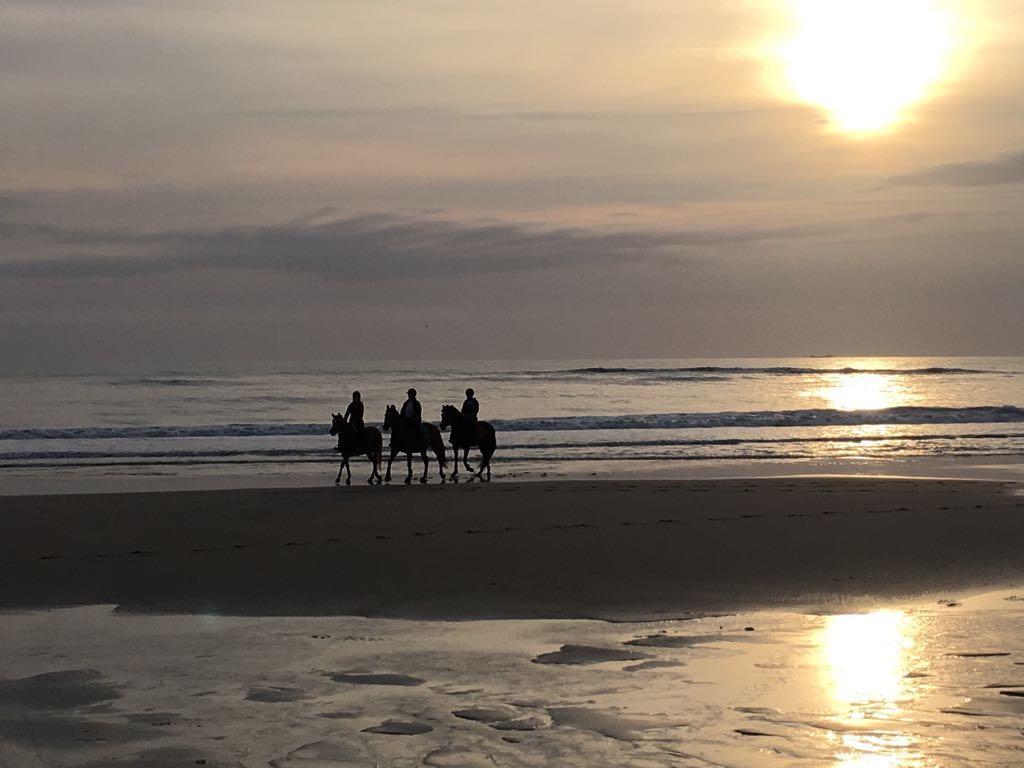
337	482
408	481
423	481
348	482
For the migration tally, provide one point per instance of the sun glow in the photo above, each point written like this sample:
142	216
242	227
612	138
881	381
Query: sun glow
866	62
865	661
865	655
861	392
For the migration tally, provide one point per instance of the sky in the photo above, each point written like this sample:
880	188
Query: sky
190	183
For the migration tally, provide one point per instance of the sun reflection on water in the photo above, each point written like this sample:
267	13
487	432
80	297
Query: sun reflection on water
865	661
862	391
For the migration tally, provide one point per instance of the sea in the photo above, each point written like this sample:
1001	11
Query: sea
568	418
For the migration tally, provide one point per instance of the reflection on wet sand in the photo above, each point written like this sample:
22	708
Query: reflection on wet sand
934	684
866	659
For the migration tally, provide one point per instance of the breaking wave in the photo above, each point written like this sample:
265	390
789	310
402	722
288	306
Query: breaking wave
812	417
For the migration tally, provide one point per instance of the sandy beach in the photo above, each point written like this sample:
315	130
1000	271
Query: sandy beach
617	550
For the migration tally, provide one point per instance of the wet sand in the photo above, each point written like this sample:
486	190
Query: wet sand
616	550
924	683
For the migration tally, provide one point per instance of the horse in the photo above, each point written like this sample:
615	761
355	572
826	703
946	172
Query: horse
372	445
463	435
407	439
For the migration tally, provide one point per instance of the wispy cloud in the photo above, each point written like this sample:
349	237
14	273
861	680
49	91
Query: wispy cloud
371	247
1005	169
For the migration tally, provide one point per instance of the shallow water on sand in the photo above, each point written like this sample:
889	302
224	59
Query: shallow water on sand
926	684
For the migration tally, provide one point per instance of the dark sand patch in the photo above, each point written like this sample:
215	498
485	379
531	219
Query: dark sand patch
274	694
531	723
752	732
578	655
58	732
487	714
683	641
339	715
399	728
66	689
979	654
645	665
374	678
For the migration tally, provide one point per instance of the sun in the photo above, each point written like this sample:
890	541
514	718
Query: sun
867	62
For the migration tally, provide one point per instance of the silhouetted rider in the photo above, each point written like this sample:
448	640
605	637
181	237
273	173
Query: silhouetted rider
354	414
470	408
412	411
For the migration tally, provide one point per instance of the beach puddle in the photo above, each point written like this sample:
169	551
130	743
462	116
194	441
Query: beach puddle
903	686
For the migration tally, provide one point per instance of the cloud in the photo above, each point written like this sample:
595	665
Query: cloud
1005	169
367	248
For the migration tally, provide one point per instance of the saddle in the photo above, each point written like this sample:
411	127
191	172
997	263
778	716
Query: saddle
469	435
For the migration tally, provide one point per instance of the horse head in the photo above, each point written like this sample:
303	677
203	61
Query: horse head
449	414
336	422
390	416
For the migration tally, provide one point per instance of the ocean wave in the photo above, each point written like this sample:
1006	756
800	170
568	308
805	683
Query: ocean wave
771	371
812	417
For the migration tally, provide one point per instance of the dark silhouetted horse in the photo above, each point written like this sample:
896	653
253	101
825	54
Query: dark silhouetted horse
466	434
371	445
408	439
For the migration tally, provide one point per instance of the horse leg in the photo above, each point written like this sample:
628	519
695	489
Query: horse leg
391	458
408	464
426	465
337	480
440	461
465	459
348	473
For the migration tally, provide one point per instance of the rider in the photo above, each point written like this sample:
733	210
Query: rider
470	408
354	414
412	411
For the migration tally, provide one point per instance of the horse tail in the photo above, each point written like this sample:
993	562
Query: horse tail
488	441
438	439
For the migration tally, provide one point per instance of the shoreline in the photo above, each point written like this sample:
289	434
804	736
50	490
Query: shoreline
320	474
617	550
